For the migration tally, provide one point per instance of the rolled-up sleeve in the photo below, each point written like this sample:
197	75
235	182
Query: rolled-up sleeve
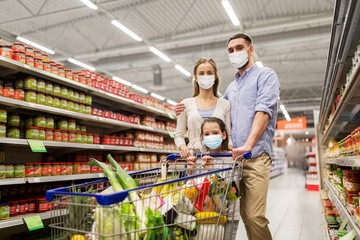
268	93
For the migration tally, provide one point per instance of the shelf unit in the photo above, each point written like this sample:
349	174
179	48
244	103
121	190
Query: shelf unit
277	163
353	161
344	213
312	176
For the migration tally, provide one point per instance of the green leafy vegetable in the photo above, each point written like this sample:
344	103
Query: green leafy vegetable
156	221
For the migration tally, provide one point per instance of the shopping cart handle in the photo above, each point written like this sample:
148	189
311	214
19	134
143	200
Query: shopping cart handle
246	155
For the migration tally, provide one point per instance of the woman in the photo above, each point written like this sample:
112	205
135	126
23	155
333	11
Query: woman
204	103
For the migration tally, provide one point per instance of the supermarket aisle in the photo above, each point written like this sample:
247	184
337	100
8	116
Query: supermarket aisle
294	213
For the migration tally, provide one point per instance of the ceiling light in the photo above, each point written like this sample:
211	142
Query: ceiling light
89	4
306	133
289	141
136	87
259	63
282	107
81	64
121	81
171	102
160	54
117	24
182	70
157	96
230	12
38	46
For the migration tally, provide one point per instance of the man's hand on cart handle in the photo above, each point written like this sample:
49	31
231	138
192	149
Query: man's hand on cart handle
179	108
237	152
207	162
185	151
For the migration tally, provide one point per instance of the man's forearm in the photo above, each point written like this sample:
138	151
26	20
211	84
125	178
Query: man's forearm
260	123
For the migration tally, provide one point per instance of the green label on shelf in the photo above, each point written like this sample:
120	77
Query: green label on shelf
171	116
171	134
34	223
37	146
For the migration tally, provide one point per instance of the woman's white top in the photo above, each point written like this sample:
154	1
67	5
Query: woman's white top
191	119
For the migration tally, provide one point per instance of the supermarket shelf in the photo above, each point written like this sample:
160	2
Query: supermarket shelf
353	161
324	223
57	111
344	213
6	63
346	111
18	220
12	181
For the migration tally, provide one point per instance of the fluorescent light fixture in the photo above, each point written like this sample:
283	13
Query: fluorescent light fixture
282	107
38	46
289	141
230	12
306	133
81	64
259	63
117	24
157	96
89	4
182	70
121	81
160	54
171	102
139	88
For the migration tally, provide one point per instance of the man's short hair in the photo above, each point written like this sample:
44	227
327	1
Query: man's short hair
245	36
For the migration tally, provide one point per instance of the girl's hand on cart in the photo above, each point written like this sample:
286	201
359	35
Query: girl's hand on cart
230	147
207	162
185	151
237	152
191	162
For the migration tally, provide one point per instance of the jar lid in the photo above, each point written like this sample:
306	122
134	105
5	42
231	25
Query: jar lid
28	163
37	163
53	64
30	90
64	131
23	201
19	88
38	51
32	127
57	130
11	202
39	92
29	55
41	199
8	85
45	54
41	128
56	97
71	120
77	132
4	204
29	47
89	134
5	46
18	43
37	58
71	131
49	129
48	94
61	67
68	70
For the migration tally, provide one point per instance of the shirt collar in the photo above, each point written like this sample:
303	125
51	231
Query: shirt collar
246	72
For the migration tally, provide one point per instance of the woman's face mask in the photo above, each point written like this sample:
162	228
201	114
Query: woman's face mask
206	82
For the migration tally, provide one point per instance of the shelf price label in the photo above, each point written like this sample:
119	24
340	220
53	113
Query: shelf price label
36	146
171	134
34	223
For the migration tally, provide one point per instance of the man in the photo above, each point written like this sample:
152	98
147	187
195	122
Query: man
254	99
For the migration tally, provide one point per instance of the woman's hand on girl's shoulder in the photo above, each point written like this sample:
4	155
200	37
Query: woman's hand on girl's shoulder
207	162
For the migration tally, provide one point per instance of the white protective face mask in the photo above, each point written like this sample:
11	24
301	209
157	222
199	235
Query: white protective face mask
239	59
206	82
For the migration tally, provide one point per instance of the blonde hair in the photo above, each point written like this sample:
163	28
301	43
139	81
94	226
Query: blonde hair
216	85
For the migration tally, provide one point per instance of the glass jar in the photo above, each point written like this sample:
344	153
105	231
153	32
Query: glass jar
48	88
83	138
56	90
19	56
31	205
29	60
63	125
82	108
46	169
41	85
9	170
64	136
19	170
30	83
88	99
19	94
13	132
83	128
9	91
56	169
29	170
32	133
45	57
40	98
70	168
76	96
82	78
70	105
90	138
76	107
23	207
14	208
40	121
19	83
13	120
57	135
49	100
87	109
4	211
53	68
71	125
96	139
3	115
63	168
29	50
82	98
20	47
49	122
6	51
2	130
63	103
68	74
105	140
42	205
64	92
37	54
75	76
38	63
2	170
56	102
37	169
78	138
49	134
61	71
41	133
72	136
70	94
30	96
46	66
29	122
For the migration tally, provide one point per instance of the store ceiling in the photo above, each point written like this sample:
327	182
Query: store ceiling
291	37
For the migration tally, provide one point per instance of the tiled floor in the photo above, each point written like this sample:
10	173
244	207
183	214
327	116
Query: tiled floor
293	212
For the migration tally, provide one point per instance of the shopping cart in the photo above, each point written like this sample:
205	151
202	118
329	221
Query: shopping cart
177	206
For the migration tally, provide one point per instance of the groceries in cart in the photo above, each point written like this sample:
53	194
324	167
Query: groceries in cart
178	207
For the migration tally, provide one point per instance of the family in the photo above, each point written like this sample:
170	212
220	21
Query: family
243	120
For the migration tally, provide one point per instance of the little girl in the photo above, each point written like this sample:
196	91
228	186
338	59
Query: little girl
215	139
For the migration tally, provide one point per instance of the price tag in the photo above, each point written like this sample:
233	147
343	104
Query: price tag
34	223
37	146
171	134
171	116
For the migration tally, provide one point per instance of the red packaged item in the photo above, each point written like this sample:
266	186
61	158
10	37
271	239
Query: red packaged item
23	206
41	205
31	205
14	208
105	140
96	139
